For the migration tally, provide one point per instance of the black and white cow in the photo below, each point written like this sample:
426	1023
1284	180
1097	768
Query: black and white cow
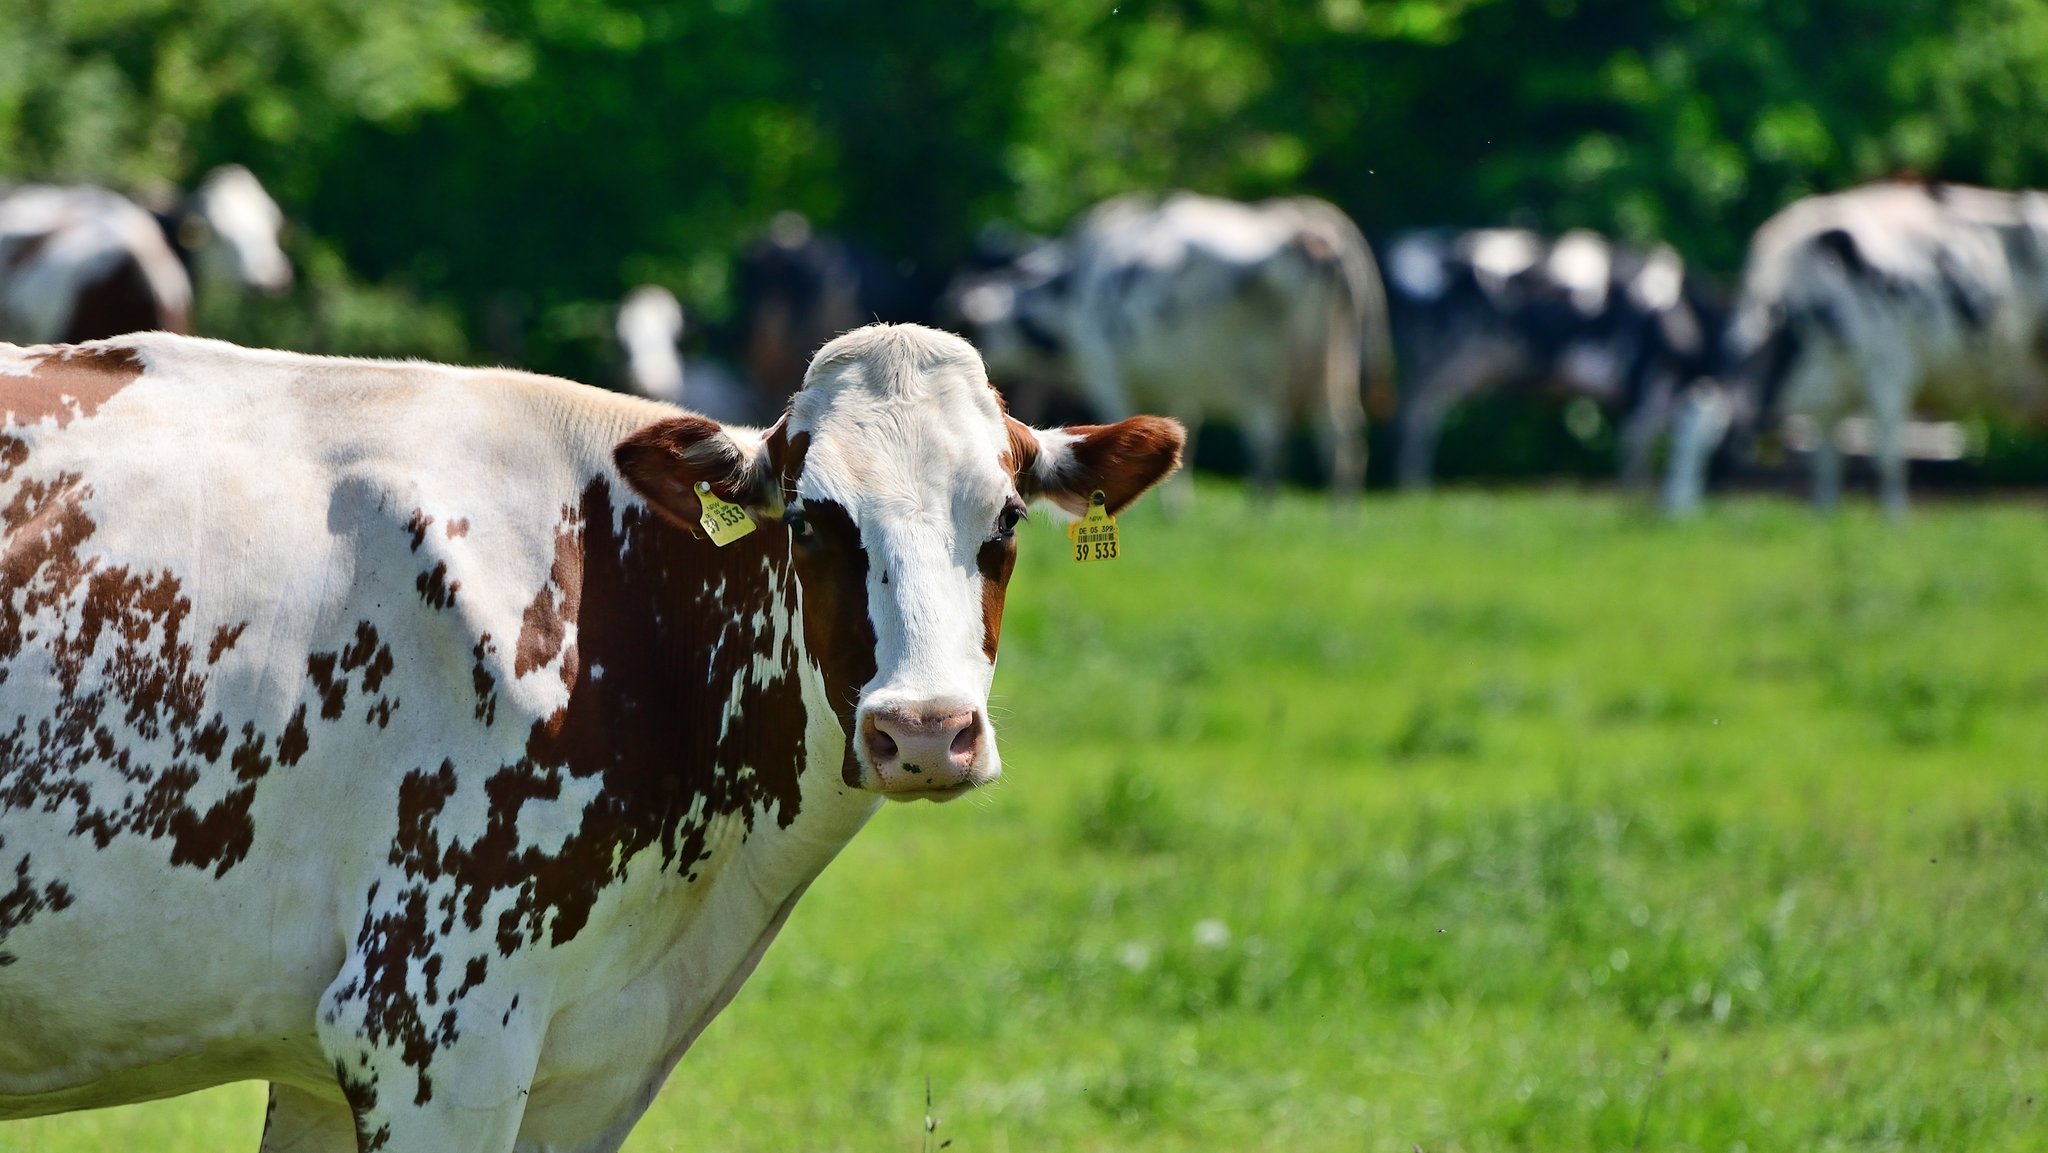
1506	308
395	734
1255	314
1867	301
79	262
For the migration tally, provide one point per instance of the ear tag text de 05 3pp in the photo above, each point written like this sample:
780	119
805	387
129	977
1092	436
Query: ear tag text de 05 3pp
723	521
1094	535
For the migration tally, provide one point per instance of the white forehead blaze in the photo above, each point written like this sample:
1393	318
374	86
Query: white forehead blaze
906	436
903	426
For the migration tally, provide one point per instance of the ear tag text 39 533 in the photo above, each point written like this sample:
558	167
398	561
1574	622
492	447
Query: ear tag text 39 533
1094	535
723	521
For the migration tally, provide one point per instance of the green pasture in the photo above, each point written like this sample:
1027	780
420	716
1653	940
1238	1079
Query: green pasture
1484	822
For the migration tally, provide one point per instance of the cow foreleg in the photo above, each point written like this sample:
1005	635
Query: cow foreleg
1423	413
423	1071
302	1122
1890	410
1703	417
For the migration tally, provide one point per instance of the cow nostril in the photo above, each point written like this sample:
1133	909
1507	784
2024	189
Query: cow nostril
881	746
967	741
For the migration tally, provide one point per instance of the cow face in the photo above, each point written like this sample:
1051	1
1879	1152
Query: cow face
235	209
899	483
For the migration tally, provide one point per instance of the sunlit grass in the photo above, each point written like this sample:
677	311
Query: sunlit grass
1482	822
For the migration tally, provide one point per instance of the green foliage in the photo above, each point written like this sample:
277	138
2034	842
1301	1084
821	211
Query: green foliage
526	160
133	91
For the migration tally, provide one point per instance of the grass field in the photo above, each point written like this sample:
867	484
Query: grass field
1489	822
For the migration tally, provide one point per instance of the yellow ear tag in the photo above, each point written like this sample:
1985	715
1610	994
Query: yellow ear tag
723	521
1094	535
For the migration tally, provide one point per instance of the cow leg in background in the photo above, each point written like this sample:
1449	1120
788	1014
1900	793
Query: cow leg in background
1888	386
1340	432
302	1122
1639	431
1827	461
1702	419
1465	374
1265	438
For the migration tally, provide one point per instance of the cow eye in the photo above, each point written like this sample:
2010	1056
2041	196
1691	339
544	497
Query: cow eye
798	526
1006	521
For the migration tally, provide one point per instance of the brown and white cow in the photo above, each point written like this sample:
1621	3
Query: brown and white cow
390	733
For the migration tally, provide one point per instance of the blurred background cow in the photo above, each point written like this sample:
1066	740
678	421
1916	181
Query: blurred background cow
79	262
1876	301
1506	308
1258	315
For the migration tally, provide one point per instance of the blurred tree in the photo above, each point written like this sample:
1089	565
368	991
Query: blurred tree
525	161
135	91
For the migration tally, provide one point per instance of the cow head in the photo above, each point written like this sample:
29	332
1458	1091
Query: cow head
231	206
899	482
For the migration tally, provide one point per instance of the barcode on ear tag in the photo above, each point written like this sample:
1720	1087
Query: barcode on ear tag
723	521
1094	535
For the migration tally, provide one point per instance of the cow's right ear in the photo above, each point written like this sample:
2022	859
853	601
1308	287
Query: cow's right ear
665	461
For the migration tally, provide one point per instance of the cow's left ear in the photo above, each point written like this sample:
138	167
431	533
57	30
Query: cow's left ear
1067	465
665	461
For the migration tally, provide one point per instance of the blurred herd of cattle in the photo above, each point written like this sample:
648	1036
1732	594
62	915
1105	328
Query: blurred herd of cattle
1854	311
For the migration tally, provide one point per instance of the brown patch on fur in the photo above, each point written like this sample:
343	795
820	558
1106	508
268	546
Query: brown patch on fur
458	528
126	681
995	560
484	682
68	384
224	638
28	897
13	454
435	588
838	633
543	626
417	524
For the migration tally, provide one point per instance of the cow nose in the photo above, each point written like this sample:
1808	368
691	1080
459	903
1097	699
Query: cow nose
915	752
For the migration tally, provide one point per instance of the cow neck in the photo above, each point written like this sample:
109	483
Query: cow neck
685	697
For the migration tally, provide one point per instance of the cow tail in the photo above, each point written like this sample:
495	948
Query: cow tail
1376	337
1362	349
1355	340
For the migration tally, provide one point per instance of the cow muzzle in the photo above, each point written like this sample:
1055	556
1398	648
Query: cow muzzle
926	751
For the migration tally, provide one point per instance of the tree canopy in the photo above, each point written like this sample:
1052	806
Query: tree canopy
519	163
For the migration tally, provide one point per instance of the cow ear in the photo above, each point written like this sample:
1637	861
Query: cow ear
665	461
1065	466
